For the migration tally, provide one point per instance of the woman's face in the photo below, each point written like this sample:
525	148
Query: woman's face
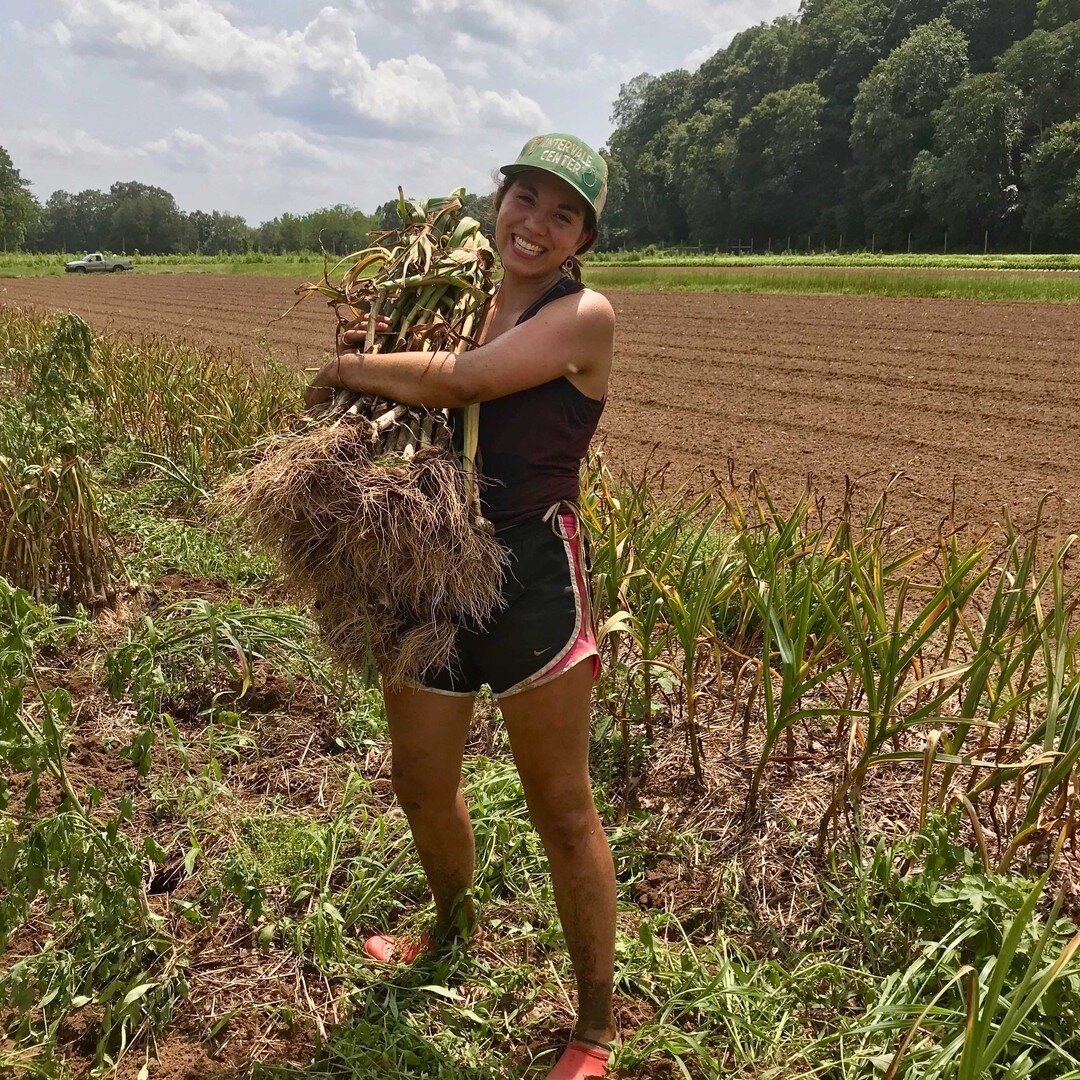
542	222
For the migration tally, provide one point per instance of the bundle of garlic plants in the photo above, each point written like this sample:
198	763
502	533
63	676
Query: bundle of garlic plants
371	509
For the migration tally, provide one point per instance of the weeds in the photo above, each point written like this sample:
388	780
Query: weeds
196	642
779	648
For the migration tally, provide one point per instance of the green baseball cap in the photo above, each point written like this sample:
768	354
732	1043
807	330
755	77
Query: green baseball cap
570	159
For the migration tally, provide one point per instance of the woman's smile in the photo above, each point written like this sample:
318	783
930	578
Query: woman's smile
526	249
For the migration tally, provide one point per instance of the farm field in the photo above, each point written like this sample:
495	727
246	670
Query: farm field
687	257
23	264
1049	278
973	404
836	767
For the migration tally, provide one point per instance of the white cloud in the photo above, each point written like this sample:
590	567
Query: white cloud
509	42
723	19
259	173
526	24
56	145
699	10
206	99
189	42
725	13
467	60
181	151
184	149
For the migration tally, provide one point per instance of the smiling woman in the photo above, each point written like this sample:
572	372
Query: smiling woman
586	173
540	371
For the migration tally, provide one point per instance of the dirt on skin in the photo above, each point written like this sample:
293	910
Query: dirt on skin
972	404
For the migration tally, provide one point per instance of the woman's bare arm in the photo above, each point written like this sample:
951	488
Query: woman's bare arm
571	337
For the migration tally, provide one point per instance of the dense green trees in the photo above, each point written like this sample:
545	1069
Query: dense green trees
136	217
216	232
18	208
969	181
71	222
1056	13
336	229
893	123
860	118
140	217
774	162
1053	180
644	187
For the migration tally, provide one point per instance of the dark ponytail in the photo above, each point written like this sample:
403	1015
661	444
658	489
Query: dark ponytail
572	268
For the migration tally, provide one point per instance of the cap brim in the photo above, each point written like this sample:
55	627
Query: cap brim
513	170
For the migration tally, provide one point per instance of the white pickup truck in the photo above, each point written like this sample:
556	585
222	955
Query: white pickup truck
95	262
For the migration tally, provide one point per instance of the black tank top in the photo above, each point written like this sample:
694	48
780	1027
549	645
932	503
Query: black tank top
532	442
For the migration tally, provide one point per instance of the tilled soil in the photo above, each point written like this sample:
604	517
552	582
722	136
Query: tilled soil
973	405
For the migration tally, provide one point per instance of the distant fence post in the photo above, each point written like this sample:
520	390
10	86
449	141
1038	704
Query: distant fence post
945	249
986	242
909	243
873	243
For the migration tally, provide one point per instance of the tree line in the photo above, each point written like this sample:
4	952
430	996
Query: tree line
857	123
885	122
141	219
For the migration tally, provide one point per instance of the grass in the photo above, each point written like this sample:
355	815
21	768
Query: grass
690	257
22	264
160	544
306	265
856	274
846	282
867	876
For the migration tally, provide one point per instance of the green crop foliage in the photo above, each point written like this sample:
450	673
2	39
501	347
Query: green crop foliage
77	869
308	264
749	647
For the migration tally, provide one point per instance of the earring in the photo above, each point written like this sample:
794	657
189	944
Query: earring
570	265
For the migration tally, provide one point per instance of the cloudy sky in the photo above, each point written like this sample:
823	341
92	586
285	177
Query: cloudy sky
261	107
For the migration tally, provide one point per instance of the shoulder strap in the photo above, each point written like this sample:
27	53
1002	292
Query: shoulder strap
565	286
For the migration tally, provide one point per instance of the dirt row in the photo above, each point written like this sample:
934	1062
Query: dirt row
974	405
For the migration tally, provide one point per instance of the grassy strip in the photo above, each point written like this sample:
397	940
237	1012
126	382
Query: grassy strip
880	278
1064	289
306	263
681	257
303	264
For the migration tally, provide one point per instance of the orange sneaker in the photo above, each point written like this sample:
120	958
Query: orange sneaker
579	1061
388	949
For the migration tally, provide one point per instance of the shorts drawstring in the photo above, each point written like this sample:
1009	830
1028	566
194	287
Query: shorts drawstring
554	516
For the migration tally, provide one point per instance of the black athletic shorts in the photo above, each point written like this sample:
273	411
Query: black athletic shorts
545	626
